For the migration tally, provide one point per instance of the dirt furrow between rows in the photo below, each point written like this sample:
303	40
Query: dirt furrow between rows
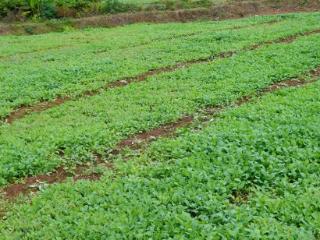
23	111
138	141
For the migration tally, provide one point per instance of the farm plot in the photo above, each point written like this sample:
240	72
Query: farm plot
76	130
255	165
46	75
118	37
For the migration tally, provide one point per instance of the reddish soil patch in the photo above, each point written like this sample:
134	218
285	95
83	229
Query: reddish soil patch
33	184
42	106
165	130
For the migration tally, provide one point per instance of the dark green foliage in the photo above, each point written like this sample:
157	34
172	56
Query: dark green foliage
115	6
7	6
49	9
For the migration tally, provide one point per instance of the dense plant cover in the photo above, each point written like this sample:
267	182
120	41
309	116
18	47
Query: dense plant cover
61	8
70	63
21	9
95	124
252	174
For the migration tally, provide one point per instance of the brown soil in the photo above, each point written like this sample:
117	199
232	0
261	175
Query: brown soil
236	9
33	184
163	131
21	112
42	106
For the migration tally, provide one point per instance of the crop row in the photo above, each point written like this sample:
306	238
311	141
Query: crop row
13	65
46	75
138	141
254	167
118	37
74	131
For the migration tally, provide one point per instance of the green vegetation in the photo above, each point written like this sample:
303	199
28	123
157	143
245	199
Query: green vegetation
22	9
251	173
115	38
35	10
255	167
80	128
69	64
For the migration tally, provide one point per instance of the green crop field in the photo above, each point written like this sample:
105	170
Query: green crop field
200	130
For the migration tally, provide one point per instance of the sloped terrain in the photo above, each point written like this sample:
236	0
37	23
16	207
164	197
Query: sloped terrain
204	130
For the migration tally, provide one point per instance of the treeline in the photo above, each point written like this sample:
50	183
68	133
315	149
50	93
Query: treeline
23	9
48	9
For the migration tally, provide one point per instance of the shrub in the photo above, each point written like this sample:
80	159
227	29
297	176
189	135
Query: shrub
61	8
28	8
115	6
10	6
